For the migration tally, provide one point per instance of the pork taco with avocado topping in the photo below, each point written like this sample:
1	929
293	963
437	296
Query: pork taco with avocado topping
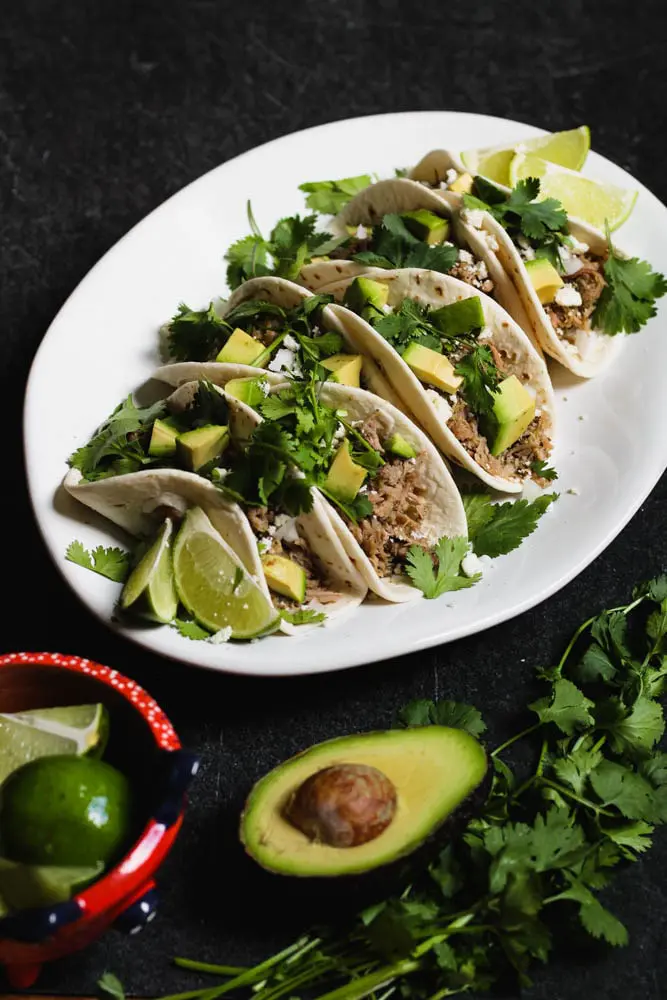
468	373
577	291
270	328
144	465
400	223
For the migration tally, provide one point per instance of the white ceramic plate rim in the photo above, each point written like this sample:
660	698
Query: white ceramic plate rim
607	484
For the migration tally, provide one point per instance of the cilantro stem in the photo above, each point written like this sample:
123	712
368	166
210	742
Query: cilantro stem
268	351
366	985
582	628
514	739
599	810
216	970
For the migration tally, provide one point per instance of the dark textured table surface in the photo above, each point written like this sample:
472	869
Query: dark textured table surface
108	108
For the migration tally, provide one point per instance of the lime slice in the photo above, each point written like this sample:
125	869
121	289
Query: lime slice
150	585
47	732
592	201
214	585
570	149
25	886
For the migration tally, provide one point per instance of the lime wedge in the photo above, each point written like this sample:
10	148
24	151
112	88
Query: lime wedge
570	149
592	201
47	732
214	585
25	886
150	585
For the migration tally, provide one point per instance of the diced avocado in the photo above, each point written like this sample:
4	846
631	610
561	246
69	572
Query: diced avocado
345	478
163	440
248	390
426	226
397	445
459	317
357	803
345	368
544	278
199	447
240	349
430	367
513	409
462	185
366	297
285	577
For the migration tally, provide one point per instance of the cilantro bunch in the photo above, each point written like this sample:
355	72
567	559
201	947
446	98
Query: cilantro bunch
293	241
392	245
542	223
291	451
539	853
199	336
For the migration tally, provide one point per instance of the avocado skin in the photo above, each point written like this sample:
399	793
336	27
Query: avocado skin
338	897
332	900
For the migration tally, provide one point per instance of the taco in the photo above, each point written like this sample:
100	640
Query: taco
558	264
387	487
400	223
269	329
298	561
467	371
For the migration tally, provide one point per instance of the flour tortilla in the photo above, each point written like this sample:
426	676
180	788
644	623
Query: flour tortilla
133	502
405	195
594	350
288	295
430	288
446	515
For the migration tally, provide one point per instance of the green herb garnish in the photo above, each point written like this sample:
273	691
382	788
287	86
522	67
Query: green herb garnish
540	468
628	300
112	562
448	576
494	529
392	245
328	197
116	447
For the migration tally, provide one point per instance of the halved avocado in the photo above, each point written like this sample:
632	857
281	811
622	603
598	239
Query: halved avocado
400	785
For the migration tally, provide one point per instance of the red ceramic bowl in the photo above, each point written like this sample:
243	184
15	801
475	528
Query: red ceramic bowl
144	745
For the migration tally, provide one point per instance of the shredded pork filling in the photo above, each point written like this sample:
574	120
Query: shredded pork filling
398	496
263	522
589	281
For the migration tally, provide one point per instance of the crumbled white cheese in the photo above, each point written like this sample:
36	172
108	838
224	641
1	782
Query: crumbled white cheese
471	564
491	241
361	233
527	252
222	635
263	386
451	175
481	270
285	360
339	434
569	261
286	528
473	217
264	543
577	246
291	343
465	257
443	408
568	295
387	308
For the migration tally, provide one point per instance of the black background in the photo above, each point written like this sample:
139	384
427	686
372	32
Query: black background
108	108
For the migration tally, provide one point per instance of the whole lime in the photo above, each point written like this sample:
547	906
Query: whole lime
64	810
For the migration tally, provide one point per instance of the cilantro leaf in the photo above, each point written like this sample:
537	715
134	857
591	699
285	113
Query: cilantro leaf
118	438
540	469
574	769
628	300
655	589
511	523
111	985
303	616
247	258
392	245
480	379
626	789
208	406
196	335
449	552
566	706
596	919
479	512
328	197
190	629
640	729
442	713
542	222
595	665
112	562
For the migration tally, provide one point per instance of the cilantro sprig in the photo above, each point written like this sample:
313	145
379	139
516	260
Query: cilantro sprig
112	562
480	377
494	529
328	197
449	552
628	300
293	241
392	245
116	447
582	796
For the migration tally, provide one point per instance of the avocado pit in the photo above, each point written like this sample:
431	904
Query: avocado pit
344	805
